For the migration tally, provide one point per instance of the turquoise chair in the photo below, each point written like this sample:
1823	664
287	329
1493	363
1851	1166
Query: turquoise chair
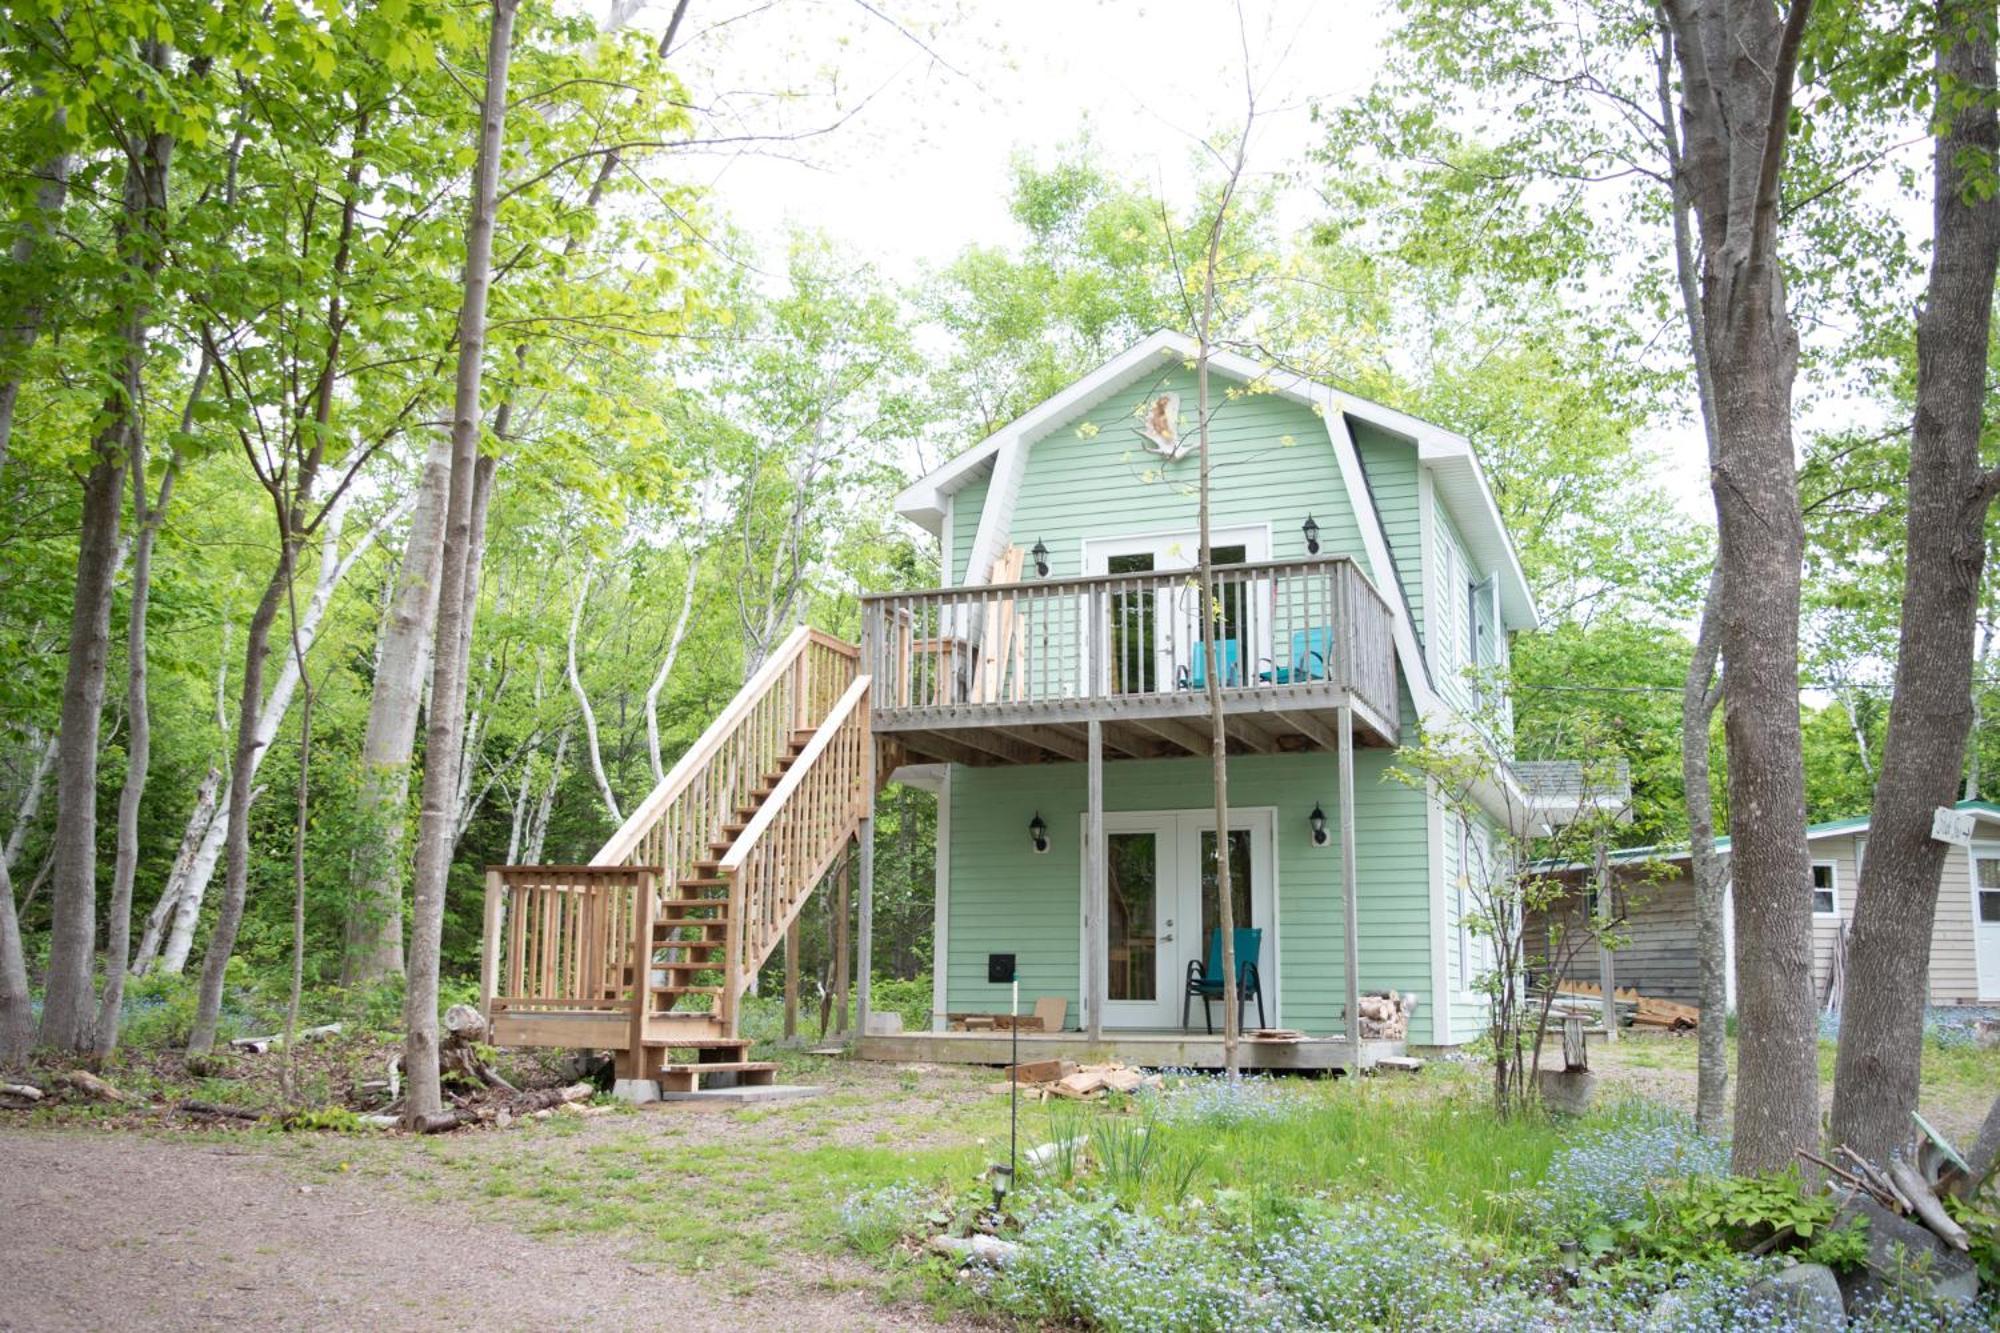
1312	650
1204	977
1195	676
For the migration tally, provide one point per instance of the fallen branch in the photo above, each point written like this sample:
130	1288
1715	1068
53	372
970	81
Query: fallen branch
262	1045
983	1249
196	1107
1928	1210
21	1092
90	1085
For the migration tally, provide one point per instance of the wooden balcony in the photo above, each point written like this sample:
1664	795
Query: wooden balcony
1013	673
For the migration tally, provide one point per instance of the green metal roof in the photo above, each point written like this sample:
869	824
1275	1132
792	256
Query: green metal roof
1825	829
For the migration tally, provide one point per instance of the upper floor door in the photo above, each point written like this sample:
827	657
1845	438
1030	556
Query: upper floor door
1151	623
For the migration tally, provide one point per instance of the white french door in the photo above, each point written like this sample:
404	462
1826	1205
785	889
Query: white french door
1162	906
1986	919
1152	630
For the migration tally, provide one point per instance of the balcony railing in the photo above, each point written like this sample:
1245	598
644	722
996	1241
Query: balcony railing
1294	627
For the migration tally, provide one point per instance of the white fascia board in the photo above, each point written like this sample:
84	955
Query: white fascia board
924	500
1381	568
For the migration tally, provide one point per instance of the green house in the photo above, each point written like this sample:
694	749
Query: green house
1056	679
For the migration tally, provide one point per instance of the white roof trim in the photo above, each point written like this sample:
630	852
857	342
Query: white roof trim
1460	478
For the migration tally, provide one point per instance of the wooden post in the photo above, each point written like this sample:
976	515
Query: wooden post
1094	888
1607	960
842	913
633	1063
864	965
865	928
489	952
792	980
1350	894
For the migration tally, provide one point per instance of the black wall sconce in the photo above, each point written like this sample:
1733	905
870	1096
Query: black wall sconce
1041	554
1318	821
1311	530
1038	833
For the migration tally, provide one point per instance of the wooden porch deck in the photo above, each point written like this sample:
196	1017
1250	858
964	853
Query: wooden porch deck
1169	1049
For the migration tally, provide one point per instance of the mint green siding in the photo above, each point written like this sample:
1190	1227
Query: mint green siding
966	507
1007	898
1390	465
1091	476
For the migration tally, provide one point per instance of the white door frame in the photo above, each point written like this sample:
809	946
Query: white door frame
1988	977
1181	550
1179	902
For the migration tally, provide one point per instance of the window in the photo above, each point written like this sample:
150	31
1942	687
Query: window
1825	889
1465	978
1475	631
1987	872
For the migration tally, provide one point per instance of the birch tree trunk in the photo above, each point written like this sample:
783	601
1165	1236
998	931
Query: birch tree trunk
1738	64
170	894
667	669
422	1095
1888	956
374	942
17	1015
583	699
68	1001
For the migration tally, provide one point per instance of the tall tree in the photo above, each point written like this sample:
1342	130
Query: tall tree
423	1096
1737	66
1881	1038
147	144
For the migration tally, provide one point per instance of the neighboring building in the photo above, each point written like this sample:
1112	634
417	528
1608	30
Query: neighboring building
1656	895
1068	611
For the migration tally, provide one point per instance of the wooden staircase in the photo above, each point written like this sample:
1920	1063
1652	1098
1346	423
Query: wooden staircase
649	949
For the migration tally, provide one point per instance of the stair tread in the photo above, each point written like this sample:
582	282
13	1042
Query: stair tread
706	1043
687	990
721	1067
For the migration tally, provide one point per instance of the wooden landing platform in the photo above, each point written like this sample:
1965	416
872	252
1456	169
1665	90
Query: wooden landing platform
1151	1050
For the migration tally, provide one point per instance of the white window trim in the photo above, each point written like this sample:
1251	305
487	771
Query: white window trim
1833	887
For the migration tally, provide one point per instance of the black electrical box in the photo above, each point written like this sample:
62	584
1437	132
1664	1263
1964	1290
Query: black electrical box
999	968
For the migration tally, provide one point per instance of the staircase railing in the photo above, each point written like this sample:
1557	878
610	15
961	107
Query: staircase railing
795	837
559	938
675	825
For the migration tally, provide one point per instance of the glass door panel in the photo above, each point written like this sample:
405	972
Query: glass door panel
1132	937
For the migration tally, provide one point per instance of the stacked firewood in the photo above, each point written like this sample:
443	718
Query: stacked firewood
1385	1015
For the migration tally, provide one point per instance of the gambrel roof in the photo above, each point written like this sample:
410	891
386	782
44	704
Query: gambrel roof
1459	479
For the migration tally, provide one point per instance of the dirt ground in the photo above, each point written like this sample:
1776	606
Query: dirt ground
108	1231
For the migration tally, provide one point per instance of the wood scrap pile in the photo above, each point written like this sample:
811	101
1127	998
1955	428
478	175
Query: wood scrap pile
1910	1232
1048	1016
1385	1015
1634	1010
1066	1078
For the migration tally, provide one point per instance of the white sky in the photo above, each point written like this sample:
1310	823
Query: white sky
943	97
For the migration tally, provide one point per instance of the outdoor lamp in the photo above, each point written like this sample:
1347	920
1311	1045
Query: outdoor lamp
1318	821
1038	832
1041	554
1311	530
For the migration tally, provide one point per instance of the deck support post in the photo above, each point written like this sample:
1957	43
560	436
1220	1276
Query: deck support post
1094	887
792	980
489	952
843	911
1350	896
865	965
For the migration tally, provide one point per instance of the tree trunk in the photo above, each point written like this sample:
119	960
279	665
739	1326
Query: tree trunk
1888	955
374	943
68	1002
1737	66
433	853
236	821
17	1014
667	667
192	838
583	699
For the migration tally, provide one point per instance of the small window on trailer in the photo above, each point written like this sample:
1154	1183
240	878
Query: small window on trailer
1825	888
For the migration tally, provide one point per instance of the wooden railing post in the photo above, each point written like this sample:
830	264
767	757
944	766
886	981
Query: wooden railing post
642	963
489	954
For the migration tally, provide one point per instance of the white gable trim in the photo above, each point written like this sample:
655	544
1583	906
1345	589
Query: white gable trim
1461	481
1381	568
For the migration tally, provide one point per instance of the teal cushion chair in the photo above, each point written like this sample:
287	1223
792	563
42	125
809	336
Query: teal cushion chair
1204	977
1194	676
1312	650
